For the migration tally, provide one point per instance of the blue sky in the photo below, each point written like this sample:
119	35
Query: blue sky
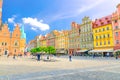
43	16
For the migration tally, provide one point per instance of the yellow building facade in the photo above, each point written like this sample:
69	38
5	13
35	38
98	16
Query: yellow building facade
103	36
62	41
43	41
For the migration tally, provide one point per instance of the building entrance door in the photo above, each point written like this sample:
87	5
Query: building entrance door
6	52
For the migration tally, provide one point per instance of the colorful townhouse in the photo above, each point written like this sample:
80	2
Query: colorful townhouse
51	38
57	44
43	41
103	36
62	42
74	38
31	45
86	35
37	40
116	28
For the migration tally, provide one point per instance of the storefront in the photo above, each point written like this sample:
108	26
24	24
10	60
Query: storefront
81	52
103	53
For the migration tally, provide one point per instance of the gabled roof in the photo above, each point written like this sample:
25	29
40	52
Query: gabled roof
102	21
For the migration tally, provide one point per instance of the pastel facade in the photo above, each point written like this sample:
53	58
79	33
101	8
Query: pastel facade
31	45
74	38
12	42
43	41
116	28
37	39
62	42
86	35
103	35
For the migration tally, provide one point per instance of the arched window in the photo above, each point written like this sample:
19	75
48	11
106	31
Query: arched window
16	43
15	50
5	44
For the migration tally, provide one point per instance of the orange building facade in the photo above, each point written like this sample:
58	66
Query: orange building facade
11	42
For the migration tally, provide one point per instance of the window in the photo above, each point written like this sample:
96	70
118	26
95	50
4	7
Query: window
116	27
100	43
99	30
108	35
104	42
103	36
96	37
117	41
95	31
2	43
100	37
103	29
107	28
115	21
108	42
15	50
15	43
116	33
96	43
5	44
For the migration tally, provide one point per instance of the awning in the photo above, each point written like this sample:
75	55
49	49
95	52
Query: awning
82	51
106	50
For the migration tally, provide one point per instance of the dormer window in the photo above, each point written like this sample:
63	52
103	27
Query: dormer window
100	20
116	27
102	23
115	21
106	18
96	24
108	21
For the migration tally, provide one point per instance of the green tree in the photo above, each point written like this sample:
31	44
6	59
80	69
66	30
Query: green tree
51	50
33	51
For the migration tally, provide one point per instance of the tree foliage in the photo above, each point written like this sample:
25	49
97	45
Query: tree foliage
51	50
47	50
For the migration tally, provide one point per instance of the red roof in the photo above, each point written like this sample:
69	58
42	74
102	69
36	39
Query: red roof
102	21
75	25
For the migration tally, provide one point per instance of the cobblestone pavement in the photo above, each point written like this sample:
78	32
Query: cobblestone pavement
109	72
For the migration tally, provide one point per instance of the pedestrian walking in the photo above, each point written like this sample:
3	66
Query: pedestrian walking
116	57
94	55
70	57
14	56
38	56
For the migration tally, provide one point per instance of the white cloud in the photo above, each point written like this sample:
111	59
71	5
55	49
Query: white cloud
36	24
11	20
33	28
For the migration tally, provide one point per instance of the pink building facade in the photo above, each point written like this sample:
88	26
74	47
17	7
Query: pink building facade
116	28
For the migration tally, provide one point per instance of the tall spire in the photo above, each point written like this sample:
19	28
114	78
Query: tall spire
23	34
